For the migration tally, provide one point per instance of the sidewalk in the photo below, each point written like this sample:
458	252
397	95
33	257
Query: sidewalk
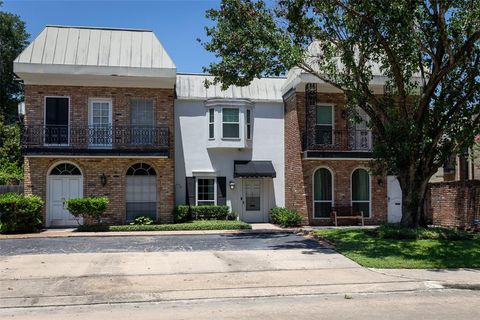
70	232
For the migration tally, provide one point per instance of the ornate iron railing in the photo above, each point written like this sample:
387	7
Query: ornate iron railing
94	137
320	138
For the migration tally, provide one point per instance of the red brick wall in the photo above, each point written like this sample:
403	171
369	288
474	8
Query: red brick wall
454	204
36	170
299	172
114	168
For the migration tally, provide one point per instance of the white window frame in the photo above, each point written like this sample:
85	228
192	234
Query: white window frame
322	201
248	124
45	121
332	107
369	191
211	122
237	123
91	101
214	189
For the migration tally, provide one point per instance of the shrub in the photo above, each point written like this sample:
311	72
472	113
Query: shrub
192	225
183	213
91	207
397	232
142	220
285	217
20	213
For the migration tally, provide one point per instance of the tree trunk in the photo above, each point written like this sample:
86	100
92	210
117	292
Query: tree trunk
414	190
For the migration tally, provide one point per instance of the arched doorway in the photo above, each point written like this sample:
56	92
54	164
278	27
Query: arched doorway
65	181
141	191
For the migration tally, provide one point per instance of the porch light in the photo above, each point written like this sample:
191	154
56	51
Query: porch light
231	184
103	179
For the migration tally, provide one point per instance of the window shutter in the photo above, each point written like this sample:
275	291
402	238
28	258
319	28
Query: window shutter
221	191
190	191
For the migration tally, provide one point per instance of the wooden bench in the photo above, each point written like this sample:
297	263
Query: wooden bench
346	212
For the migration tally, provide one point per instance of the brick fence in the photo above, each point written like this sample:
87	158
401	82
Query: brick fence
454	204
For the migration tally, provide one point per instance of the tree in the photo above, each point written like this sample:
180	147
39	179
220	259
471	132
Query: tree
13	39
428	50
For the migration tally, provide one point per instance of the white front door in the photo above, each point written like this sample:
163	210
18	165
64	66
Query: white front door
62	188
394	194
253	201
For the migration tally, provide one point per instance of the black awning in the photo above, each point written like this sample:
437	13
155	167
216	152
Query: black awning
253	169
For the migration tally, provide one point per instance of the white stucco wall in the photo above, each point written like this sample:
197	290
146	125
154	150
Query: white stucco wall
192	154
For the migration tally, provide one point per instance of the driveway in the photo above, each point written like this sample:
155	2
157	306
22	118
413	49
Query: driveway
66	278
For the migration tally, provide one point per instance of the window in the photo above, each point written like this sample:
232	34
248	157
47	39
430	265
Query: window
141	191
56	120
100	131
249	124
231	123
324	125
211	123
142	120
206	191
322	193
65	169
361	192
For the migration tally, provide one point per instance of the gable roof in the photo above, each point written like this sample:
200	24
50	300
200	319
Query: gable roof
191	87
96	51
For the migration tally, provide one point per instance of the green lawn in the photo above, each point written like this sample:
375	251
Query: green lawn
365	248
193	225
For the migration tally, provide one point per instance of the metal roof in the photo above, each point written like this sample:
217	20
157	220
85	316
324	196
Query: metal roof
96	51
191	87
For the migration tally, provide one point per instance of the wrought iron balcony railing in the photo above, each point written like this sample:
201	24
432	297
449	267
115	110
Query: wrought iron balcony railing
320	139
95	137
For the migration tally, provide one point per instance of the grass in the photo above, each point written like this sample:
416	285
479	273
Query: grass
192	225
371	249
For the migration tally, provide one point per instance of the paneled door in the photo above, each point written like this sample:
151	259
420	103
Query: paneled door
62	188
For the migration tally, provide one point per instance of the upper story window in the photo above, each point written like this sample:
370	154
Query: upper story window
248	120
231	123
211	123
142	120
324	124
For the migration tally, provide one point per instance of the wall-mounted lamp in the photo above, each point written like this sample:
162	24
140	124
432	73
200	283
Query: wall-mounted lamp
380	182
231	184
103	179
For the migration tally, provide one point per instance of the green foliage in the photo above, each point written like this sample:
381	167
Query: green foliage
285	217
193	225
90	207
11	171
401	233
13	39
142	220
368	250
183	213
20	213
428	52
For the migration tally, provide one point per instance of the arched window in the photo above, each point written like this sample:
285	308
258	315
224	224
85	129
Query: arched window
65	169
141	191
322	193
361	192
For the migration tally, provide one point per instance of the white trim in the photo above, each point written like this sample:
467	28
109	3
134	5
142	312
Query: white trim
45	120
313	191
332	108
369	191
47	196
91	101
237	123
211	123
214	188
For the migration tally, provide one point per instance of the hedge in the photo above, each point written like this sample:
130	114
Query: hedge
192	225
90	207
20	213
183	213
285	217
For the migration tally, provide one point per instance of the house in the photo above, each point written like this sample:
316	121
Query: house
106	113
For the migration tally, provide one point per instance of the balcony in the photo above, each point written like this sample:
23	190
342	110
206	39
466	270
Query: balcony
319	142
95	140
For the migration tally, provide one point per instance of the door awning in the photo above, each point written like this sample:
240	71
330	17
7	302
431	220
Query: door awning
253	169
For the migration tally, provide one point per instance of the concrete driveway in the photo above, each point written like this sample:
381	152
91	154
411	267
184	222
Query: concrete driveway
84	277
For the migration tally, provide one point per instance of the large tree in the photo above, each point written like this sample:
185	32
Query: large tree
13	39
428	50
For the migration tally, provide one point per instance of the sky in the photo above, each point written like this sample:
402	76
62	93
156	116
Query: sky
176	23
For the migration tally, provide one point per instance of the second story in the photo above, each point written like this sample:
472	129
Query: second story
97	91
